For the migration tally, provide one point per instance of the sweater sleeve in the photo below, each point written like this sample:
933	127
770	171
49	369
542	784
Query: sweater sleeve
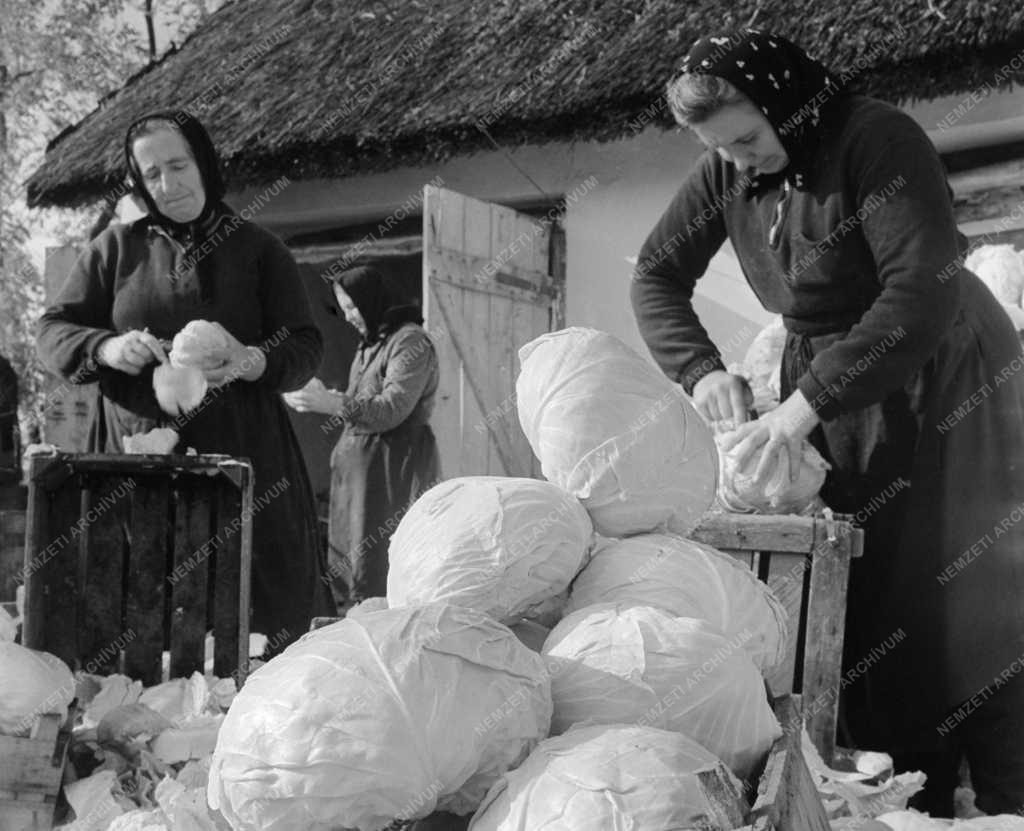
671	261
907	220
71	330
407	371
292	342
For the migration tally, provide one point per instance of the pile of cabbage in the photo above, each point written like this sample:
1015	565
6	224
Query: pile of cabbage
551	653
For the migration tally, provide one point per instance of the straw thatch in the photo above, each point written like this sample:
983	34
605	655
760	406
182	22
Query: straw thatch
328	88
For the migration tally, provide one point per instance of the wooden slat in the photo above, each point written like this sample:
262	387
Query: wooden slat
230	648
523	330
193	548
760	533
786	579
51	568
447	421
473	342
146	584
745	557
823	642
103	522
451	215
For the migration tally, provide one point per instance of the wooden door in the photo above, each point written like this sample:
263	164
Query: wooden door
492	281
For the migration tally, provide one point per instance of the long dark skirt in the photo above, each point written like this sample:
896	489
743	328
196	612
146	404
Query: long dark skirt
374	480
935	473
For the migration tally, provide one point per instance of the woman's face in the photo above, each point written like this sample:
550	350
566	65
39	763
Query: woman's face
349	309
742	136
170	174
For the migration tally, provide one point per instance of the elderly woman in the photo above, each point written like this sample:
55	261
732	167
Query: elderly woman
136	285
841	218
387	455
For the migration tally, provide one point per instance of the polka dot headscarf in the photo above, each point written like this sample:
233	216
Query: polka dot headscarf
792	90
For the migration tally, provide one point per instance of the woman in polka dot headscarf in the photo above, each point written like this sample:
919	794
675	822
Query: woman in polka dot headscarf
899	366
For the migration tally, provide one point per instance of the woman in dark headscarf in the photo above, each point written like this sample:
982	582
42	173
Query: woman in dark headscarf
839	211
387	455
192	258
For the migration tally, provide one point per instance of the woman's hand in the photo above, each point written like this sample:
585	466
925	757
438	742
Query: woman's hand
781	431
316	398
722	396
235	361
130	352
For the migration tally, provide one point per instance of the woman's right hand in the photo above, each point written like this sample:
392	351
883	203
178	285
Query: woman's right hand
721	396
130	352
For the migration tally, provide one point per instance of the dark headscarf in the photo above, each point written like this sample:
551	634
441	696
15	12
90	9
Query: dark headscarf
193	234
380	301
795	92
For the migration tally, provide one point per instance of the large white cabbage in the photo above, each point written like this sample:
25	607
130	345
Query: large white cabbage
503	546
388	715
739	492
32	683
611	429
638	664
687	579
614	777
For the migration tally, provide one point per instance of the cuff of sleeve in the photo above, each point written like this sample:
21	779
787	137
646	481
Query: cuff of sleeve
821	398
697	369
90	367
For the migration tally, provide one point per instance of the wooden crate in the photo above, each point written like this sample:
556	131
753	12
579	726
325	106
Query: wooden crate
30	775
129	555
806	562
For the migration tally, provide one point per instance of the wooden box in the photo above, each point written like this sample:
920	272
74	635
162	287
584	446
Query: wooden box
30	775
130	555
806	562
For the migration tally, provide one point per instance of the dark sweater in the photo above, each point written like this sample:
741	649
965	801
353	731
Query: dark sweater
867	245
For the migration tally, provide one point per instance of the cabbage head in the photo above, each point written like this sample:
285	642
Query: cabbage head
503	546
610	428
740	493
387	716
641	665
606	777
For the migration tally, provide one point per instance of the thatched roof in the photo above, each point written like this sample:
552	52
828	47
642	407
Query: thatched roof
311	88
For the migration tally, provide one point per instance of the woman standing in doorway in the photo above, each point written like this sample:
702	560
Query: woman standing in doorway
387	455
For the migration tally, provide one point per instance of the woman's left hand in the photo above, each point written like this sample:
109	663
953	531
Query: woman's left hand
315	398
781	431
237	361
